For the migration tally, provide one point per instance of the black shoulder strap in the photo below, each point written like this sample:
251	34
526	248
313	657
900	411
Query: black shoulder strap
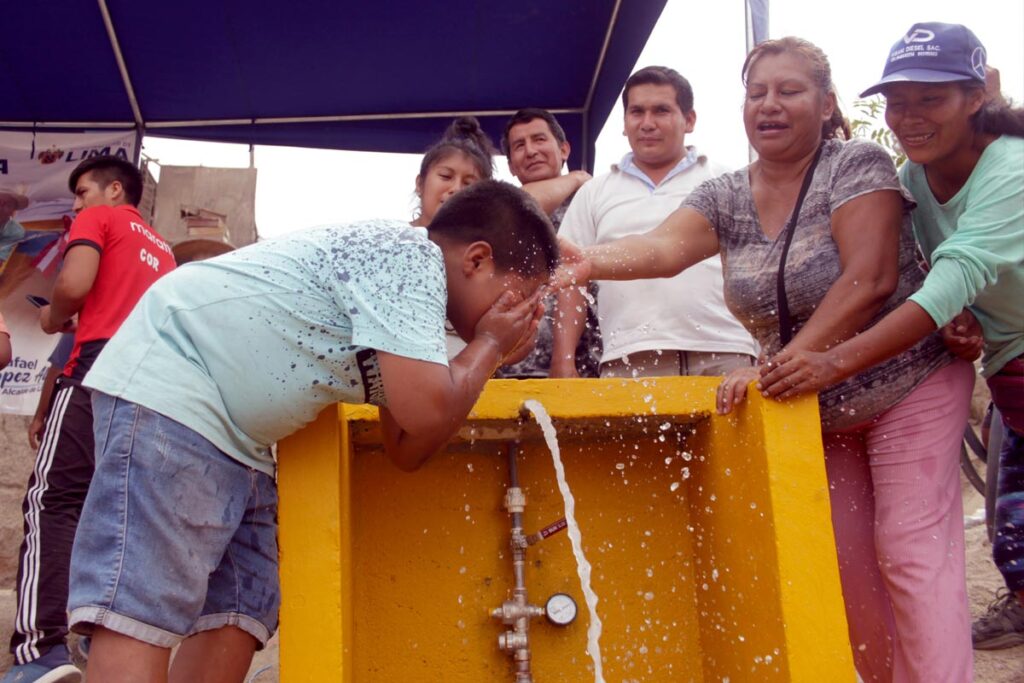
785	321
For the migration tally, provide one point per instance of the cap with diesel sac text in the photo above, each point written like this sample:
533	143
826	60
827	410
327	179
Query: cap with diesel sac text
932	52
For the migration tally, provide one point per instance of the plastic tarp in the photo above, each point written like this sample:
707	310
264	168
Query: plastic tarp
373	76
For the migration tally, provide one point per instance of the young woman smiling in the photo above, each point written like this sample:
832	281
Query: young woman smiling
463	156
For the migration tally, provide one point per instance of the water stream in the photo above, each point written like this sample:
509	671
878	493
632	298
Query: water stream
582	564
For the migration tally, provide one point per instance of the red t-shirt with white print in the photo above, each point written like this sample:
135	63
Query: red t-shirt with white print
132	257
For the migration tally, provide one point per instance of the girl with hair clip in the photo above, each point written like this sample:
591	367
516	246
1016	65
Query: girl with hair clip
816	244
965	150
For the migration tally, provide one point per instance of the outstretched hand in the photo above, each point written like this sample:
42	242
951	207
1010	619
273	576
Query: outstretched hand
792	373
573	268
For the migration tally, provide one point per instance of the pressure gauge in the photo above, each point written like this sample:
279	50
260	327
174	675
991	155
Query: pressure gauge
560	609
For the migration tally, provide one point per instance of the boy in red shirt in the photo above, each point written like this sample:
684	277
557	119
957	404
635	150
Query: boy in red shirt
112	257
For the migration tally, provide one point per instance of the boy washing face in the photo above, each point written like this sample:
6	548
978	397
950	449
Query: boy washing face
227	356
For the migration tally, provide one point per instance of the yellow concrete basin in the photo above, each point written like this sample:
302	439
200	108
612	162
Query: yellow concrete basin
710	541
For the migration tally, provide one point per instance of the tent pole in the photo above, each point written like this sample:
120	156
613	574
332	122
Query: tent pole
121	66
139	132
601	57
586	163
755	18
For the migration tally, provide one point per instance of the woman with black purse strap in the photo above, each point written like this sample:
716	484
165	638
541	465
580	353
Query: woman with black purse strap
816	244
965	150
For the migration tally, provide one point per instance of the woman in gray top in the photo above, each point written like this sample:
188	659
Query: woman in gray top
891	433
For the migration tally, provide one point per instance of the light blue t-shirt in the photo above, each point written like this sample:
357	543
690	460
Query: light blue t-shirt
975	245
248	347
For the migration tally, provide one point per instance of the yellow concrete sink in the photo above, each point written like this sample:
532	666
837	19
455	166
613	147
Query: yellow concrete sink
710	541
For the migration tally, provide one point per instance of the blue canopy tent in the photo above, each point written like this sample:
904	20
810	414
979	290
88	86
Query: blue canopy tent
382	76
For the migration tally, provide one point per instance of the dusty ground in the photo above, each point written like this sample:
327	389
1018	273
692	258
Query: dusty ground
1005	666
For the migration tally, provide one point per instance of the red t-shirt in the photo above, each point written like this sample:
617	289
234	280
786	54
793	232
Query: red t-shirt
132	257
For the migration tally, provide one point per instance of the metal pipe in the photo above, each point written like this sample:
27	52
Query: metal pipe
517	612
122	66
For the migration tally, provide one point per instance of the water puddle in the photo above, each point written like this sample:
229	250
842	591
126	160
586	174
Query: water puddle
575	538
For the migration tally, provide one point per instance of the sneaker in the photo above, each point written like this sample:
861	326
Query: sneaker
1002	625
53	667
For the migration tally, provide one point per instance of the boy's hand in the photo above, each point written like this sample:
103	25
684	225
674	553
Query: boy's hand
511	323
574	267
963	336
529	341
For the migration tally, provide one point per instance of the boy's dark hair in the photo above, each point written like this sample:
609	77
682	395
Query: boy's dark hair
521	237
463	135
530	114
661	75
106	169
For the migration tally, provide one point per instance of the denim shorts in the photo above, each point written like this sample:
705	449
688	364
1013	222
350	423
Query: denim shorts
175	537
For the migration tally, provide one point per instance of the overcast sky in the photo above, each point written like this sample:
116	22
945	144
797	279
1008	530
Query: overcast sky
298	188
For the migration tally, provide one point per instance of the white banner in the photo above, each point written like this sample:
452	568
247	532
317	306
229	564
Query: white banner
22	380
41	163
37	165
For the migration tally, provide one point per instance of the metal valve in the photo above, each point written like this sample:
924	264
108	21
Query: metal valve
510	611
511	641
515	499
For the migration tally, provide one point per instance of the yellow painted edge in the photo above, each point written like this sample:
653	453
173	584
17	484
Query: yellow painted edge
313	490
810	591
562	398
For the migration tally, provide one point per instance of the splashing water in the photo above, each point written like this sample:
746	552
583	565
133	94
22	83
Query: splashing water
575	538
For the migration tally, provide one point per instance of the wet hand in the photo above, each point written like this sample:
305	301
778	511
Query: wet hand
963	336
792	373
511	321
529	341
733	388
573	268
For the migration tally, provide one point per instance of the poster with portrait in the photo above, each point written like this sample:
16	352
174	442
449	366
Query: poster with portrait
35	214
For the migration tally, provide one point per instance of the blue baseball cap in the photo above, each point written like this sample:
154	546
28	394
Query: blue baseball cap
933	52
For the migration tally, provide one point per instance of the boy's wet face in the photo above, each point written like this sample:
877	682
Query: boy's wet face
474	284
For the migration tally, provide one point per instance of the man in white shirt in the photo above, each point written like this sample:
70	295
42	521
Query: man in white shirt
670	326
